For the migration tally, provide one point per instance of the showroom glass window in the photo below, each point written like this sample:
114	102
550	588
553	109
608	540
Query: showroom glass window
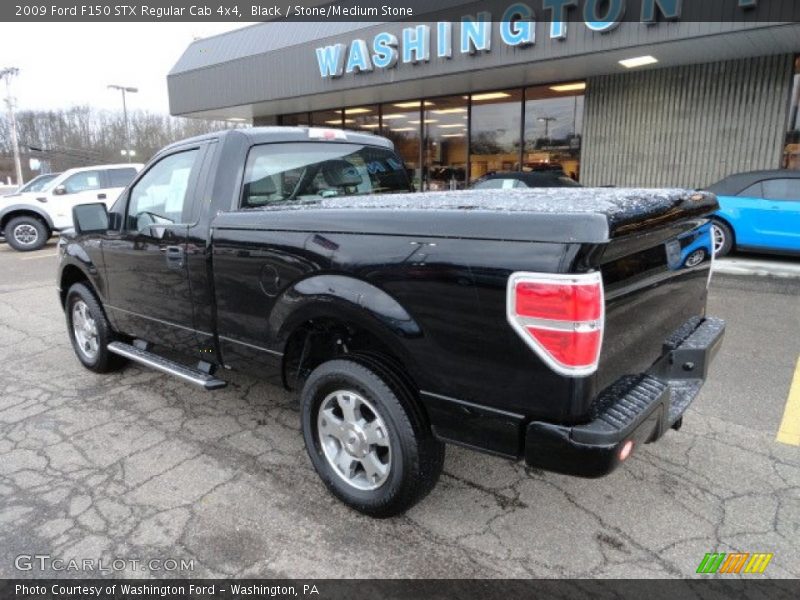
362	118
791	152
295	119
445	137
554	128
326	118
494	132
401	124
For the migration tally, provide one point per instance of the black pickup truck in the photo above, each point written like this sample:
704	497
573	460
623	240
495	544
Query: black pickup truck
562	326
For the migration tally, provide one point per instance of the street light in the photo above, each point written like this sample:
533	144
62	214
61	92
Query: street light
546	121
127	151
7	74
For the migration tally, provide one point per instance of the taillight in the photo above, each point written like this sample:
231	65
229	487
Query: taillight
560	317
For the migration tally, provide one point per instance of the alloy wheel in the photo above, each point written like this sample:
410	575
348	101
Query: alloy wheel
84	328
695	258
354	439
719	239
25	234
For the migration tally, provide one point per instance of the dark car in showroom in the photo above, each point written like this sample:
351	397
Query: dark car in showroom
506	180
758	211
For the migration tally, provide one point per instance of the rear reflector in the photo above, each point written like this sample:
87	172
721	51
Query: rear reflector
560	317
626	450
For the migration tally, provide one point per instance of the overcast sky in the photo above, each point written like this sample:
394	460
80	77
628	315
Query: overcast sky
64	64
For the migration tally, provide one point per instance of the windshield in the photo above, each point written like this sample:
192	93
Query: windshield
300	172
498	184
38	184
543	181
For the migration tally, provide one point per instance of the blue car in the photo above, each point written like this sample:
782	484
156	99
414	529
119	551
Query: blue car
759	212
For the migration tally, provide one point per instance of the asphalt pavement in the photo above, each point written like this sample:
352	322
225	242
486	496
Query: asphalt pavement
137	466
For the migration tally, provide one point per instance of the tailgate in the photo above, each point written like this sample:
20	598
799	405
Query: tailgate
655	282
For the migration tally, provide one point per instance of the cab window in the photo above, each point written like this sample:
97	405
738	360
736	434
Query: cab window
83	181
160	196
118	178
302	172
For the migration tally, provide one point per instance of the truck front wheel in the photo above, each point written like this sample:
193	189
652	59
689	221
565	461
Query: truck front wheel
89	330
367	442
26	233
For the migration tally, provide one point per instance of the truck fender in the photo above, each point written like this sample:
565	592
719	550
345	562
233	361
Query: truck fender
77	265
345	298
7	213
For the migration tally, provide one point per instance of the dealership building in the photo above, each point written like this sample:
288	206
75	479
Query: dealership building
664	103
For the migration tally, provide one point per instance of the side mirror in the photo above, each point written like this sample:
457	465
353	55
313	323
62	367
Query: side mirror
90	218
59	190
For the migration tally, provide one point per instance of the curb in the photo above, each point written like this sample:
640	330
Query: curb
758	268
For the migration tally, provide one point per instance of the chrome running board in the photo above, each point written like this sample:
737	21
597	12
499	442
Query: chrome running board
165	365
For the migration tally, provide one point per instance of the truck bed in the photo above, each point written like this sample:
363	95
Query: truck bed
583	215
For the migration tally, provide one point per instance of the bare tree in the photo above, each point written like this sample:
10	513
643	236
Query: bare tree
82	135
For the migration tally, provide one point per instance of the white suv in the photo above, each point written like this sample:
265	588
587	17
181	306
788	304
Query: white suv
29	219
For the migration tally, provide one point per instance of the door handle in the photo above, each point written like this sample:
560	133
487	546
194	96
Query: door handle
174	255
101	196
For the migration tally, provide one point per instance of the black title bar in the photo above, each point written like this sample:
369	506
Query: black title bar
597	11
378	589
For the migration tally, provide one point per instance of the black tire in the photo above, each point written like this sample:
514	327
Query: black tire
101	361
20	229
416	457
728	243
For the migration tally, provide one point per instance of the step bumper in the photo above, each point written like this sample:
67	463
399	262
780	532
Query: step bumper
635	410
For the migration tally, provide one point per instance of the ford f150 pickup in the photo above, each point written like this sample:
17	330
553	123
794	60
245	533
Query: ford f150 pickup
565	327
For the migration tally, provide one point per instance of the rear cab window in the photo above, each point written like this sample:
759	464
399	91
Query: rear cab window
281	173
119	178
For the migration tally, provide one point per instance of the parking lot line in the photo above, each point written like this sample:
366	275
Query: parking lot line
789	431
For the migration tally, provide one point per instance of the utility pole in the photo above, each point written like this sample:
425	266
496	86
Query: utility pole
7	74
546	121
127	151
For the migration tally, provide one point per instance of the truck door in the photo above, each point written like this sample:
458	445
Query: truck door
146	267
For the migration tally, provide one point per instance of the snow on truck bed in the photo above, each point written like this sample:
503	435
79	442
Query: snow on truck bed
605	201
533	214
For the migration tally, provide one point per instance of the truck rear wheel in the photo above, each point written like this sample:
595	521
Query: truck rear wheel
366	440
89	330
26	233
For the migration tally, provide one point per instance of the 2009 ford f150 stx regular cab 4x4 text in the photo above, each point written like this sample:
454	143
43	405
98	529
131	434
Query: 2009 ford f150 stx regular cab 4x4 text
565	326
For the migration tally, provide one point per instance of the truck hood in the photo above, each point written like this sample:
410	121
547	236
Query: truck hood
589	215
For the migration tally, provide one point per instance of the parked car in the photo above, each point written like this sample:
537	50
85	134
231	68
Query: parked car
29	219
521	179
529	324
37	184
759	212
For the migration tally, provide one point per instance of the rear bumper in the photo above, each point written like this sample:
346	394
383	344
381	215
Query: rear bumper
637	409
